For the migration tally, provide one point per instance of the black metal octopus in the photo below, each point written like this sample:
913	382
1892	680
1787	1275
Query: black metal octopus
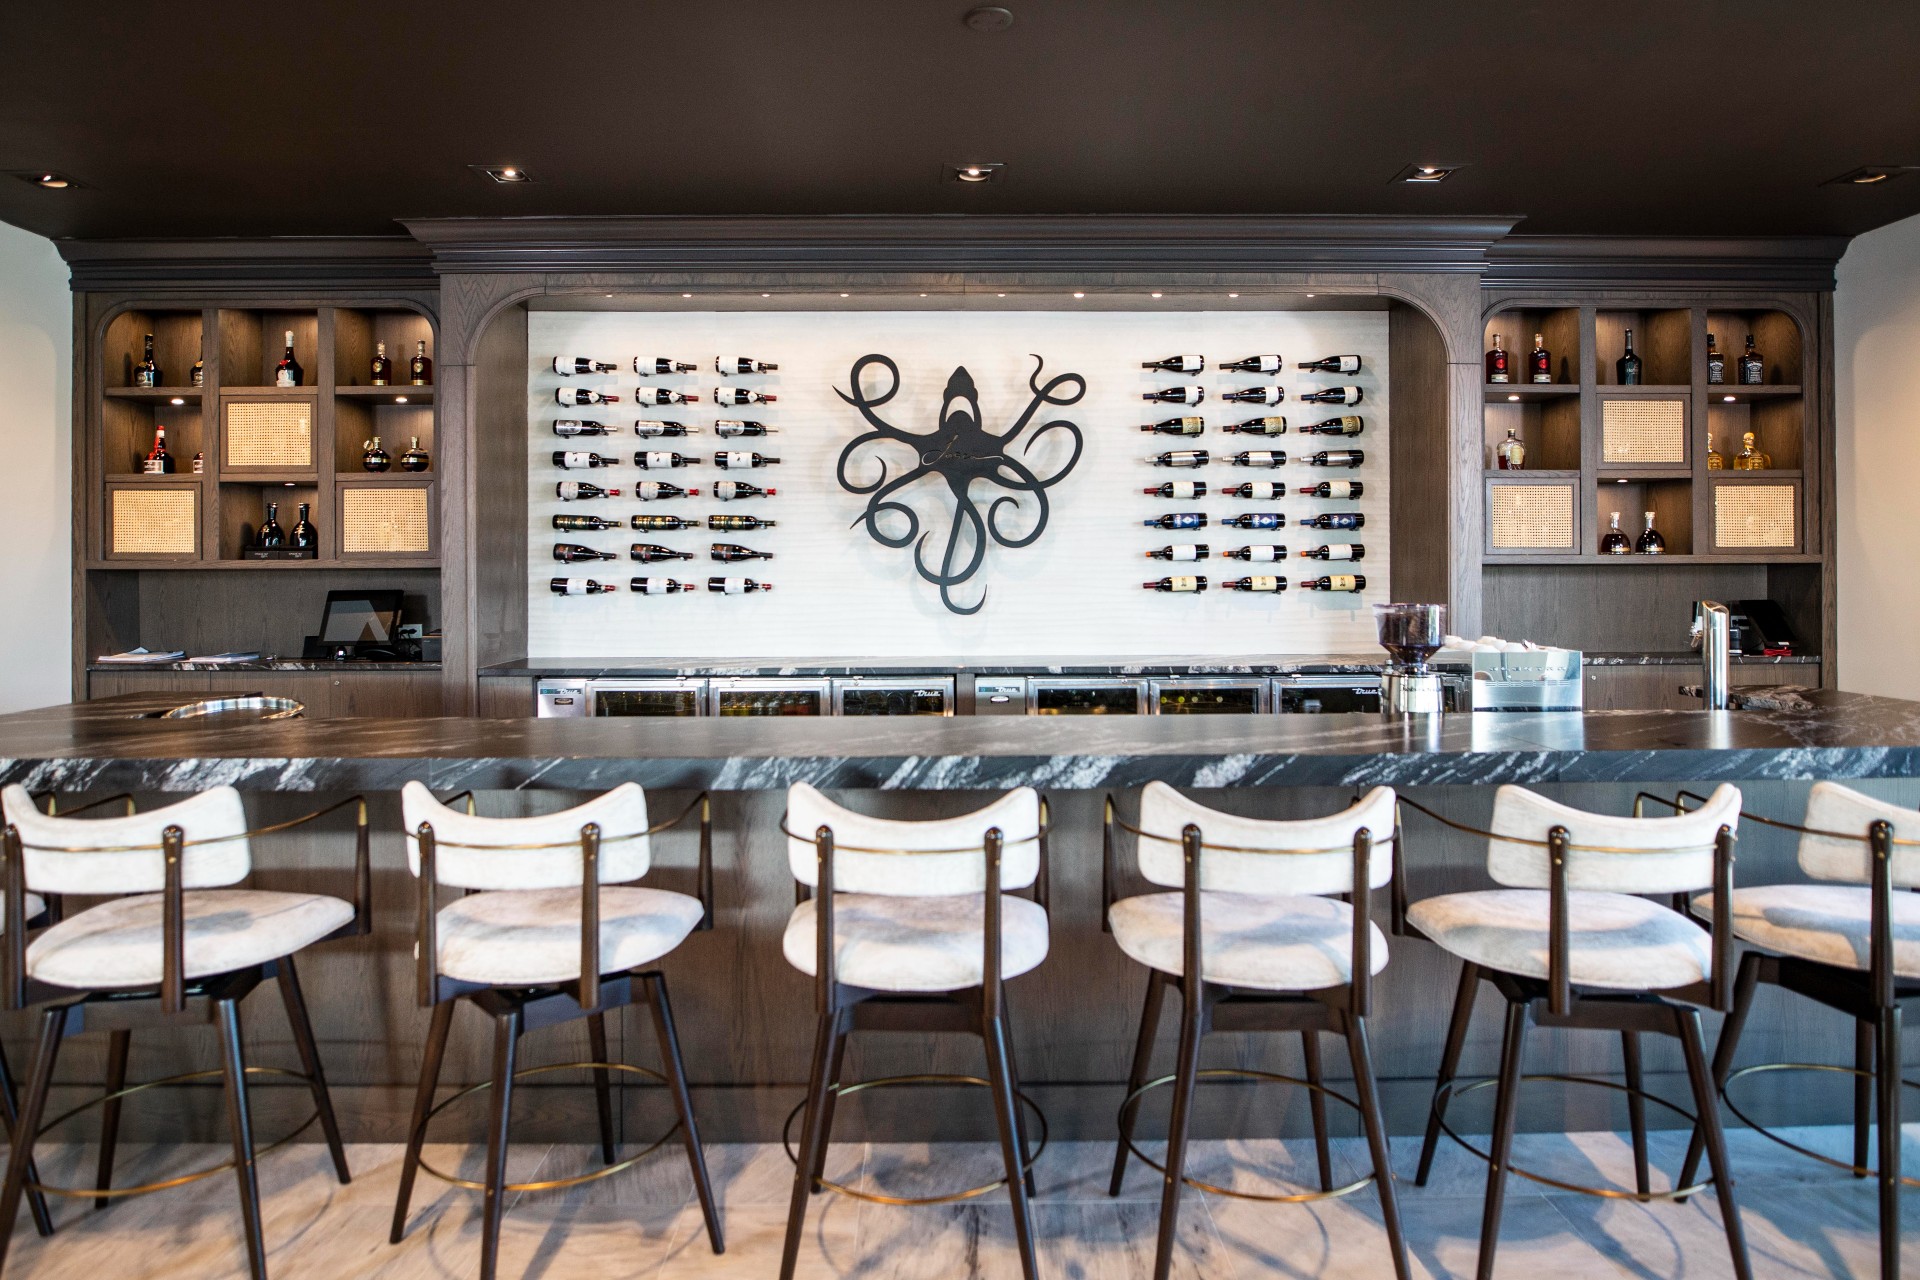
960	451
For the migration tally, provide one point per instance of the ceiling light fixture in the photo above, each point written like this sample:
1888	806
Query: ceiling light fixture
1727	399
975	171
1233	295
1427	174
999	295
1870	175
1082	295
686	295
766	295
46	179
177	400
988	18
399	399
846	295
507	175
1515	398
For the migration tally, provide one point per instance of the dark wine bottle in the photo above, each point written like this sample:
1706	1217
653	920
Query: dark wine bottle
1627	368
380	368
420	368
158	462
1183	585
1179	520
1540	361
657	366
734	366
304	536
1178	364
1334	489
1256	520
1179	458
660	460
1334	364
1267	583
271	535
1255	364
1650	542
1259	427
574	553
1176	427
659	490
1180	551
1351	582
1259	552
1349	425
1499	365
738	524
732	427
581	587
737	459
288	372
1258	490
732	551
583	524
571	396
730	490
1337	458
736	586
1335	520
1193	393
662	395
659	586
1614	542
580	491
574	460
1334	395
1260	458
661	524
147	372
742	395
649	429
567	366
653	553
1256	395
1181	489
1336	551
570	427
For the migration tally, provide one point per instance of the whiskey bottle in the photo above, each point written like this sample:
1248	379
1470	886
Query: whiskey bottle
304	536
736	586
1179	520
1753	370
1335	520
650	429
732	459
1180	458
583	524
1349	425
1258	427
659	490
1650	543
1259	553
1337	458
733	427
662	524
580	491
1181	489
1256	520
373	457
1255	364
199	464
271	534
1180	551
580	587
1336	551
1351	582
1260	458
415	459
420	369
1258	490
1499	369
661	395
574	553
1256	395
742	395
1540	361
567	366
1510	453
730	490
733	551
1333	489
734	366
1715	462
158	461
660	460
570	427
198	377
1192	393
1613	542
147	373
1185	585
380	369
1334	364
659	366
738	524
1751	457
1627	368
1267	583
571	396
1180	364
658	586
1176	427
288	372
1716	363
1334	395
653	553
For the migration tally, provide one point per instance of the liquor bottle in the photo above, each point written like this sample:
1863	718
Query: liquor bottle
738	524
736	586
1260	458
1180	551
571	396
1181	489
1627	368
662	395
1259	490
198	377
1334	489
580	587
1176	427
1258	553
567	366
730	459
1714	461
1716	363
658	586
1334	395
1650	543
380	369
1751	457
584	524
656	366
304	536
1753	370
1510	454
1256	520
1336	551
1334	364
199	464
147	373
1499	369
158	461
1179	364
1180	458
1274	426
732	427
1348	425
288	372
373	457
271	535
1337	458
653	429
653	553
1540	361
577	427
662	524
574	553
1255	364
420	368
729	490
1613	542
576	460
733	366
1335	520
1351	582
660	490
1185	585
580	490
1191	394
1267	583
660	460
1256	395
732	551
1179	520
742	395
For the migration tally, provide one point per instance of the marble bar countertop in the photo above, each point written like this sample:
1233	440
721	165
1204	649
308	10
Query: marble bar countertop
106	744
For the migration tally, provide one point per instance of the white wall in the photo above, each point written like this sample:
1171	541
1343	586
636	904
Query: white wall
36	484
1877	399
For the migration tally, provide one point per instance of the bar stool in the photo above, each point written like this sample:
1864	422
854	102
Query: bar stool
1571	944
173	932
538	941
909	928
1853	947
1256	940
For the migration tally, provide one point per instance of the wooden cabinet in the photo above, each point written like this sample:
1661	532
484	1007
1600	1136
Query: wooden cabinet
1657	688
327	694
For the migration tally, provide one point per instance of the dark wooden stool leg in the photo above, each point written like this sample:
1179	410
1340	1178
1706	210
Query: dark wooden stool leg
1142	1059
676	1072
830	1100
506	1038
233	1061
1707	1100
1317	1104
1887	1082
33	1106
1512	1053
119	1042
1449	1065
1636	1110
1366	1088
1744	986
1863	1058
435	1051
602	1082
303	1041
1012	1150
812	1135
1186	1076
1019	1116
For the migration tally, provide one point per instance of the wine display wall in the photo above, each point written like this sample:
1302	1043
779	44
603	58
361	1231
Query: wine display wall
1075	591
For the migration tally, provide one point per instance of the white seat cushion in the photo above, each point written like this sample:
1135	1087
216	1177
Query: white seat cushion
1827	923
886	943
531	937
118	943
1614	940
1267	942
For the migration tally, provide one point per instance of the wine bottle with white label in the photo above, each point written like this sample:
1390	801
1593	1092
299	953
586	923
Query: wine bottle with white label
1176	427
1348	425
1267	583
1334	489
1335	520
736	586
731	551
730	427
1184	585
571	427
288	372
1260	458
581	491
1336	458
659	490
1178	364
660	460
1256	395
1259	553
573	552
733	366
658	586
1256	520
742	395
731	490
1258	490
574	460
583	524
1334	364
661	524
1180	551
568	366
663	395
571	396
1179	458
1181	489
1190	394
1254	364
654	553
1179	520
580	587
738	524
656	366
1334	395
1336	551
1258	427
653	429
733	459
1351	582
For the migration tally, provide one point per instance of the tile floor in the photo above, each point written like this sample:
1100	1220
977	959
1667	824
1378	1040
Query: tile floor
1803	1220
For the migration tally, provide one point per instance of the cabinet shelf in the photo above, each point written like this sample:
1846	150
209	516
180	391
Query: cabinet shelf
388	395
1665	390
1532	473
1723	394
382	477
1586	558
165	395
1525	392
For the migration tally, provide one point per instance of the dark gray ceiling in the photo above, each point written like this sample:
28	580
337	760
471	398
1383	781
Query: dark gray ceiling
1683	117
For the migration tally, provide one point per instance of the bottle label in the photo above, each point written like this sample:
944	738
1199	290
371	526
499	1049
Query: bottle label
1349	364
576	459
575	587
646	366
1264	458
1183	489
1340	551
1342	582
1263	554
283	378
656	586
1264	489
733	586
1263	520
730	427
653	395
1339	489
1184	584
647	490
153	467
1183	551
569	489
655	459
736	458
1263	584
648	430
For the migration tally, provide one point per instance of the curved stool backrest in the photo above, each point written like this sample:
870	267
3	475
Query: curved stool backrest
113	856
1845	855
541	852
948	854
1234	862
1607	853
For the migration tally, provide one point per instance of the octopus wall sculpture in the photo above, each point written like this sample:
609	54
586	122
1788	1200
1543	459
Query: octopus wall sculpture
961	451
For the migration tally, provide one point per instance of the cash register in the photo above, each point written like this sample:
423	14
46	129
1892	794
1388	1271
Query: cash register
361	626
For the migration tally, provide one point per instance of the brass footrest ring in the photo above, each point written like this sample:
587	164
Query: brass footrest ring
1446	1094
875	1197
1856	1170
550	1184
1294	1197
167	1184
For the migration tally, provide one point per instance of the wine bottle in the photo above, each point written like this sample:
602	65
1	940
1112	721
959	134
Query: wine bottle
271	535
1333	489
1753	369
1268	583
1255	364
1179	458
198	377
659	366
1337	458
1178	364
147	372
1498	367
732	427
199	464
1650	543
574	553
580	490
1334	364
583	524
1259	490
1335	520
1716	363
1349	425
573	460
1627	368
304	536
1540	360
742	395
1181	489
730	459
1334	395
736	586
1260	458
373	457
1353	582
288	372
571	396
730	490
1510	454
1256	520
659	490
738	524
1180	551
1190	394
652	429
1176	427
1614	542
661	524
420	369
732	551
653	553
158	461
1179	520
1259	552
580	587
733	366
576	427
659	586
1256	395
660	460
662	395
1336	551
1187	584
380	369
567	366
1258	427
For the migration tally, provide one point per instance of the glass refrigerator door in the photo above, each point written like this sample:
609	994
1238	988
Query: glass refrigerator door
1327	698
785	699
895	700
1085	698
1208	698
657	700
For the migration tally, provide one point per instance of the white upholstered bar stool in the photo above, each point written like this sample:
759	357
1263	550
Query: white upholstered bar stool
1851	944
912	926
174	931
1257	939
549	930
1570	942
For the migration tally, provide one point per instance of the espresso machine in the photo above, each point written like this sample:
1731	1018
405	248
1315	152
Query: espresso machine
1412	634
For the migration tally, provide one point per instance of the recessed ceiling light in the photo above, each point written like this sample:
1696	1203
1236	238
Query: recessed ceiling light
1233	295
1427	174
766	295
399	399
975	171
608	295
47	179
1309	295
686	295
506	175
1156	295
1727	399
988	18
846	295
999	295
1082	295
1870	175
177	400
923	295
1619	481
1513	397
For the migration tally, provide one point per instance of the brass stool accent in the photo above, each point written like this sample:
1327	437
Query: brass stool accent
1858	1171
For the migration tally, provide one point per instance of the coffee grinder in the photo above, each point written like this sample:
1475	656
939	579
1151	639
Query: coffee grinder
1411	633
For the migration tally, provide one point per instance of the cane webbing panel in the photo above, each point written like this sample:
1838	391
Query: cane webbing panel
1645	431
277	434
1530	517
384	521
1755	515
152	522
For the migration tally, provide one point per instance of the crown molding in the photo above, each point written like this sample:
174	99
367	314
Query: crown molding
1654	262
282	263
